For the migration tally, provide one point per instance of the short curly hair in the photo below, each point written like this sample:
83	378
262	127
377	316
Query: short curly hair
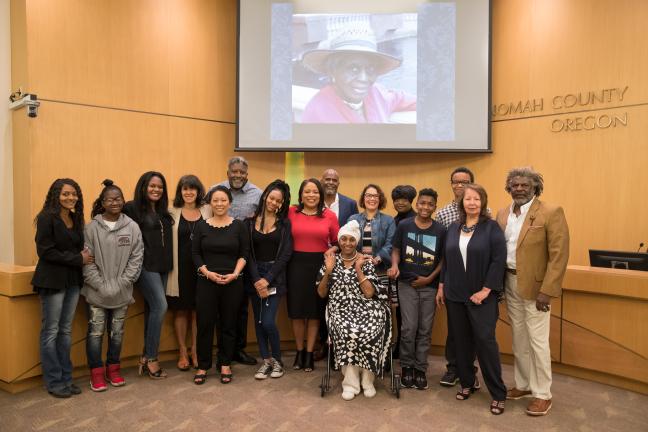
535	177
382	200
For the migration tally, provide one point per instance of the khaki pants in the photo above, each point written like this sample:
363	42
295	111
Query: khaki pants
530	342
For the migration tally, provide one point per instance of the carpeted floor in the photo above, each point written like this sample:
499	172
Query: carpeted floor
293	403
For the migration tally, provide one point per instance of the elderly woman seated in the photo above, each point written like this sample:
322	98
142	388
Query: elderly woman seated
358	316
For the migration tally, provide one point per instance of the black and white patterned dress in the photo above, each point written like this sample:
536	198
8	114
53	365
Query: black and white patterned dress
360	328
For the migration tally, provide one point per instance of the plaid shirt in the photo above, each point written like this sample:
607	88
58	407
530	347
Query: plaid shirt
244	200
448	214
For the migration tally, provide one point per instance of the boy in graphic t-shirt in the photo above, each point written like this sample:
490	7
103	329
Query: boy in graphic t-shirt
416	261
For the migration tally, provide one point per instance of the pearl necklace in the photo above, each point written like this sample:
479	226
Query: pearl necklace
350	259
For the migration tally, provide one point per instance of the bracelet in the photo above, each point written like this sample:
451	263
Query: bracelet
363	279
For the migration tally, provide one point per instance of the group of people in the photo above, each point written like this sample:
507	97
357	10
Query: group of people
344	273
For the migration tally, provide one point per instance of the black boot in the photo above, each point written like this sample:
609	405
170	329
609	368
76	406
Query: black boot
309	363
299	359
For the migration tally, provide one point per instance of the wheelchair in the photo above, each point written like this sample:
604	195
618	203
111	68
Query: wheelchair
394	379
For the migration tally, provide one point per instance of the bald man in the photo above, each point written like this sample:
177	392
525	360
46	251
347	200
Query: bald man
341	205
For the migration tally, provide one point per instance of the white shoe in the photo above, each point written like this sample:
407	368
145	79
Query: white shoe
348	395
370	392
264	371
277	369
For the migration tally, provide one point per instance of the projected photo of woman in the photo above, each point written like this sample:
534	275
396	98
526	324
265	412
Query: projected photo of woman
351	63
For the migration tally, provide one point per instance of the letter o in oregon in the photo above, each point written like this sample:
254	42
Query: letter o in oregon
557	125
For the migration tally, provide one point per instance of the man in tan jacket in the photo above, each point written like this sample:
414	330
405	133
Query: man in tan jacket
537	241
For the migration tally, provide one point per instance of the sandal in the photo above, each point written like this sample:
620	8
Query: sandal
183	362
465	393
158	374
497	407
226	378
200	378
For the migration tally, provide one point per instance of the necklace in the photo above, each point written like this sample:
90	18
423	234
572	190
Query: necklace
192	227
350	259
468	229
354	106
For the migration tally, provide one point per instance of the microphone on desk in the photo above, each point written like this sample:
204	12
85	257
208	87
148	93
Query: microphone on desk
640	246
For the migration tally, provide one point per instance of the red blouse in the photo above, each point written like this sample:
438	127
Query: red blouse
313	233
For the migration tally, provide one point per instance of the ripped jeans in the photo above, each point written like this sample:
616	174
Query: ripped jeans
100	320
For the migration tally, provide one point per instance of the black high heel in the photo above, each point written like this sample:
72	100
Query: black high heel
158	374
299	359
309	363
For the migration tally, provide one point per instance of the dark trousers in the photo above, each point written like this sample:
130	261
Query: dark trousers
451	351
217	304
473	328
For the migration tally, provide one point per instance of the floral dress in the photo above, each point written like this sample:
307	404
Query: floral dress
360	328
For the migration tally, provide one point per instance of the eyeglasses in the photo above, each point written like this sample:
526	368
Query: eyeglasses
111	201
371	196
460	182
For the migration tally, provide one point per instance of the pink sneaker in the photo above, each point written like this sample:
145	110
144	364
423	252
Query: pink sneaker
97	382
114	376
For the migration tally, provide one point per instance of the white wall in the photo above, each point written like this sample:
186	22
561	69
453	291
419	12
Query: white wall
6	143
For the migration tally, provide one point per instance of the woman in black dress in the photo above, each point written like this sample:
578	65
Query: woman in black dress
181	288
220	249
58	279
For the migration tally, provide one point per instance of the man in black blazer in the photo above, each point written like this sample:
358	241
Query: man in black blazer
343	206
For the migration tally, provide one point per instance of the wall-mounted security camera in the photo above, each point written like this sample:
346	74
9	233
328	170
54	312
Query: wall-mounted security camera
28	100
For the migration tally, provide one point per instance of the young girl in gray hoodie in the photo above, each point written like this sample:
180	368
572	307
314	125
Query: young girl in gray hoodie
115	241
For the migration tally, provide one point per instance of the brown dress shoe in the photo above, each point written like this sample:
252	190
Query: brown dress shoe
515	394
539	407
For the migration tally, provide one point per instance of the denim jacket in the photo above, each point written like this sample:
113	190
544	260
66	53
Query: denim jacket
382	233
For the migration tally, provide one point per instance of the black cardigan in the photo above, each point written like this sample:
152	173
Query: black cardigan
276	276
59	254
485	264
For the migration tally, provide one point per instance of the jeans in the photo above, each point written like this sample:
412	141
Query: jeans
152	285
265	324
100	319
56	337
418	306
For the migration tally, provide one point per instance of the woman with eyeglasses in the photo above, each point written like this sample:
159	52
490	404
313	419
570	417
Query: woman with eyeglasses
116	243
376	228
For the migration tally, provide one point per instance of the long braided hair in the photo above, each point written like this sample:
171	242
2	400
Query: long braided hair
282	213
52	204
97	206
